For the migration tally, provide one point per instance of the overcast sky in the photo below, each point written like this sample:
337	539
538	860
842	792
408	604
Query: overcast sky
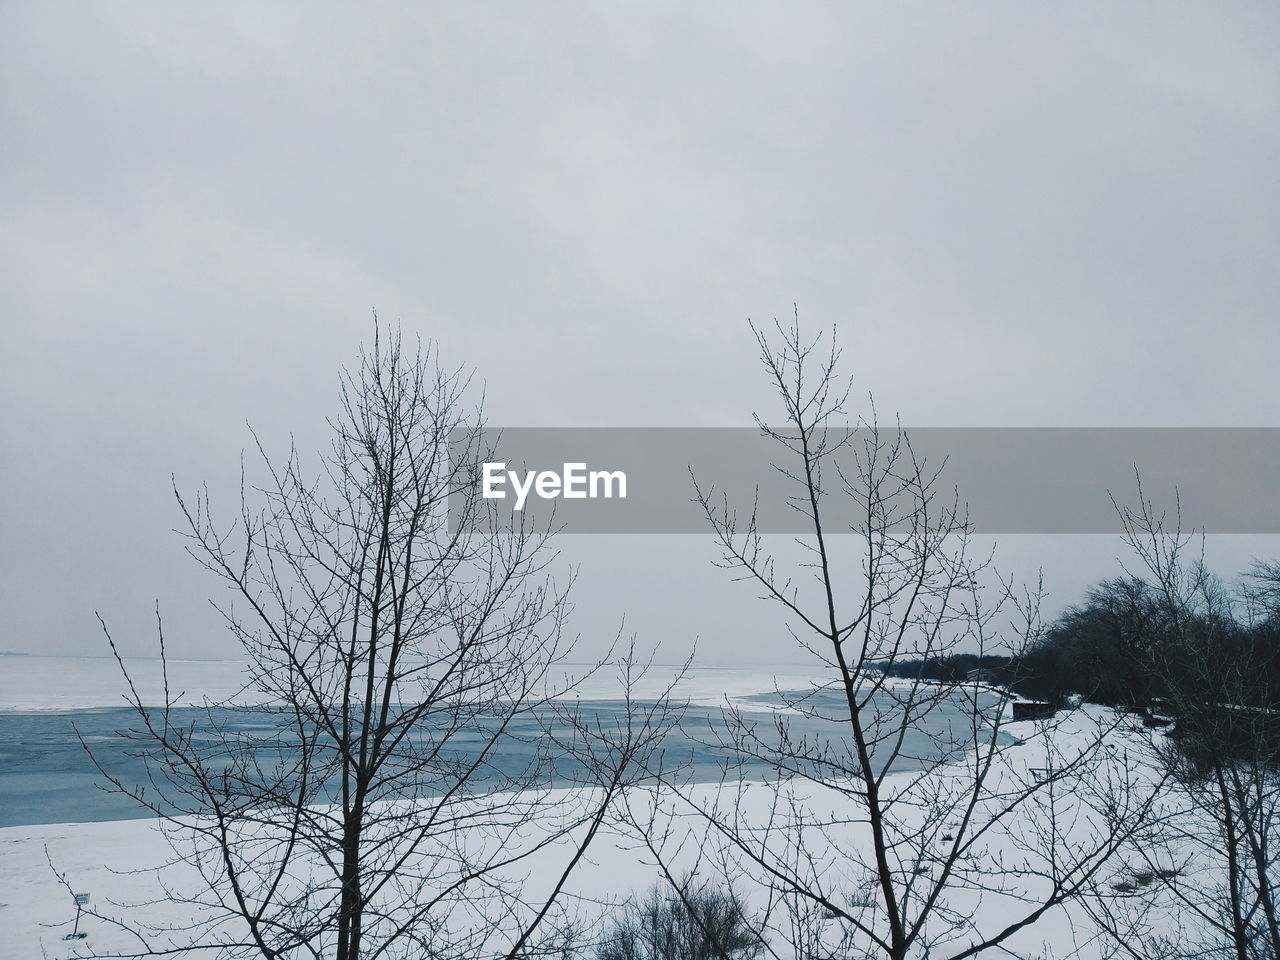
1017	214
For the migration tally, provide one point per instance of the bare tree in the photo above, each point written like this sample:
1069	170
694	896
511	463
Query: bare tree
917	825
1204	878
387	788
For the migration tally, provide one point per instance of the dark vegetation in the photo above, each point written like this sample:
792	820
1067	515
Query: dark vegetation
1126	645
956	668
688	921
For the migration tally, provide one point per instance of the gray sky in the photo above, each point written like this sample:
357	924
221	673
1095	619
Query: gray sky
1018	214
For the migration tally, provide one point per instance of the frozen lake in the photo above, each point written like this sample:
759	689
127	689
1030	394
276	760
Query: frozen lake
47	777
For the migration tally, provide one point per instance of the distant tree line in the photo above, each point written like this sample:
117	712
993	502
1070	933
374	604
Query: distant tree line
1130	644
955	668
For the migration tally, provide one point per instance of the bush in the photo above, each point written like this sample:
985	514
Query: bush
692	923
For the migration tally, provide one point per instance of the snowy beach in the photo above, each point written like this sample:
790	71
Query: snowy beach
112	862
115	861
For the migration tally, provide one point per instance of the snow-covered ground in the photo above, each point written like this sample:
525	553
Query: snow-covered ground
110	861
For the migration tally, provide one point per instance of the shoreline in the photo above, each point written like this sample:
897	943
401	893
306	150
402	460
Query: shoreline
92	854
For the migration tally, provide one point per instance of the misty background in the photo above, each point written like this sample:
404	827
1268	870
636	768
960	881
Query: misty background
1018	215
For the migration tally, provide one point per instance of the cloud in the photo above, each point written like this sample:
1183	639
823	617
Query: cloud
1018	215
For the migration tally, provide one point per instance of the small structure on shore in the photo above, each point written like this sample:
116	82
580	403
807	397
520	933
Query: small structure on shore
1032	710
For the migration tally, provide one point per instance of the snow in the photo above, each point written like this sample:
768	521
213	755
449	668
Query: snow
83	683
113	861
